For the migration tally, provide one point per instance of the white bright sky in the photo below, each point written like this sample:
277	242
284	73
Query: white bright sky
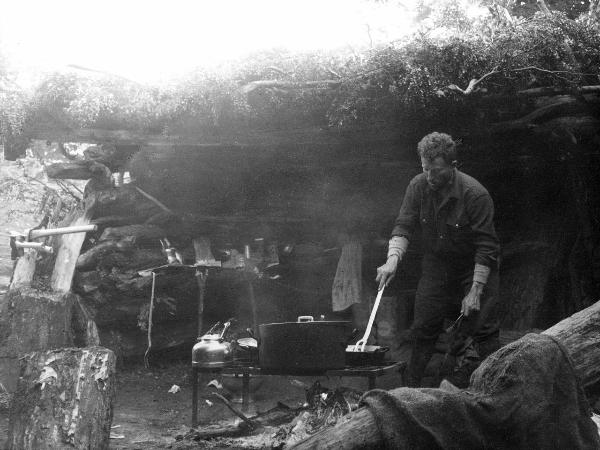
155	40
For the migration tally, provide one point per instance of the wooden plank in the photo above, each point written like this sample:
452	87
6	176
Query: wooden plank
68	252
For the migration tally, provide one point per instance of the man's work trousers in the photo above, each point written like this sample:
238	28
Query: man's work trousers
440	292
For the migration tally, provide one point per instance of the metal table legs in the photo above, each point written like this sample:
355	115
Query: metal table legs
194	397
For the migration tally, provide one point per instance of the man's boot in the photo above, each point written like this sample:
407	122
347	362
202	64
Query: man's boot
422	351
470	358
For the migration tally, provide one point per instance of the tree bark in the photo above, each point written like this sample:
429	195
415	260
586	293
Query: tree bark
579	333
32	320
35	321
63	400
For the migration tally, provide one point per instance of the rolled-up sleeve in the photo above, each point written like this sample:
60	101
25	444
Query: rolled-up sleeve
481	214
408	216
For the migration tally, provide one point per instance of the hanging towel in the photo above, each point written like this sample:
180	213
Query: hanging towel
347	284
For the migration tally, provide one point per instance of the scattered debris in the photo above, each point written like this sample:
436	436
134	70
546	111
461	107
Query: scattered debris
281	426
215	383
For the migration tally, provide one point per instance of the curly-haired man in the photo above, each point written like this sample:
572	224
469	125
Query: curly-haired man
455	214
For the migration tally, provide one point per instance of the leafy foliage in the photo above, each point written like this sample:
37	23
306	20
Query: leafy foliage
418	79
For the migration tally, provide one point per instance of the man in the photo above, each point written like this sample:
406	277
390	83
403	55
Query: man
459	277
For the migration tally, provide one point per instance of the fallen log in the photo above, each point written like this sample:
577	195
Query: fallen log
63	400
579	333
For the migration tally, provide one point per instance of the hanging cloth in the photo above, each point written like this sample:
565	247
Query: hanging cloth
347	284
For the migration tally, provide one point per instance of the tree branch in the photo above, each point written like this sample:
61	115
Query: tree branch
472	84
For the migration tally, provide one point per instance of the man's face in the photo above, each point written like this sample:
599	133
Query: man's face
438	172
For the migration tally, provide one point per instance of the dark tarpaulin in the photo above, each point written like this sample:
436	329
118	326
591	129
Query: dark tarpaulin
524	396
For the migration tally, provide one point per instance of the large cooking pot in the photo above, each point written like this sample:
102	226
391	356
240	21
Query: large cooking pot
303	346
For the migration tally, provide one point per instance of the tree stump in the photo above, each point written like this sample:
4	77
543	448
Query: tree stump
63	400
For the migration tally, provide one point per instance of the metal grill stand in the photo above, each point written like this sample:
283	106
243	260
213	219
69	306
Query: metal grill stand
369	372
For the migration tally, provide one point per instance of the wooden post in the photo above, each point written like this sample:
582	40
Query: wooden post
204	259
201	276
63	400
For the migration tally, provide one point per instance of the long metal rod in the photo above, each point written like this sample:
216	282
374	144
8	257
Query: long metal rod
33	234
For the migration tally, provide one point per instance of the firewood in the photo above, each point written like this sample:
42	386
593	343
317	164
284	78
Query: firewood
63	400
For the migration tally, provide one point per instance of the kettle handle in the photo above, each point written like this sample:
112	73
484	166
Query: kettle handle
306	319
210	331
226	326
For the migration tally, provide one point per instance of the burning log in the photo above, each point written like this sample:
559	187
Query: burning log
63	400
278	415
579	333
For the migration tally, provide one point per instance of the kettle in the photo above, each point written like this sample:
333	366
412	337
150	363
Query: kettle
211	350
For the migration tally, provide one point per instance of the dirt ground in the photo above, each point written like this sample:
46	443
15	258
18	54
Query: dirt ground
147	416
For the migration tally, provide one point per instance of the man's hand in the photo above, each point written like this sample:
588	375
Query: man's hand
471	302
386	273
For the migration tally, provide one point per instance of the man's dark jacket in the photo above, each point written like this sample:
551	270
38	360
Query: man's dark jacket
457	222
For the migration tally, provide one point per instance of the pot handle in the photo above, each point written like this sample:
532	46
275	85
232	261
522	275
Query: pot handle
306	319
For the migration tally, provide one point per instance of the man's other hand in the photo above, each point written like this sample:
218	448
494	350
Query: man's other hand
386	273
471	302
